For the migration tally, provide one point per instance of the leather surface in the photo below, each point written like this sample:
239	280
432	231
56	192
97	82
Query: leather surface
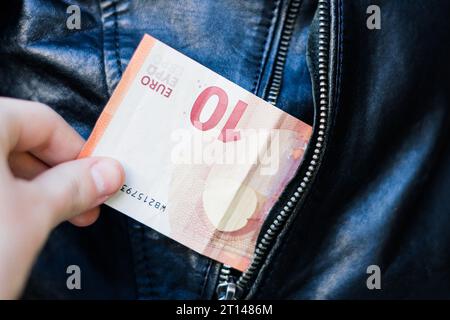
380	196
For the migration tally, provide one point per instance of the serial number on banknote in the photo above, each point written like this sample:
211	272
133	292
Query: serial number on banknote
143	197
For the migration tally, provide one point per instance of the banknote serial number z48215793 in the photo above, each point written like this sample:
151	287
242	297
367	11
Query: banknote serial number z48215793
143	197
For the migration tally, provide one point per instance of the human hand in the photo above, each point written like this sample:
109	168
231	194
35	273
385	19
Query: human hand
42	185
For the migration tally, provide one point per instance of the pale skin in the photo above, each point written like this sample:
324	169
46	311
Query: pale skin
42	184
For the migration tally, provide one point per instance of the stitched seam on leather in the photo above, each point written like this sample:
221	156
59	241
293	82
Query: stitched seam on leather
341	47
139	257
116	38
289	234
130	245
103	47
145	262
205	272
264	48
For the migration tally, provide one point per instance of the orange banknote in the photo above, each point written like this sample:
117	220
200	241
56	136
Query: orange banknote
205	160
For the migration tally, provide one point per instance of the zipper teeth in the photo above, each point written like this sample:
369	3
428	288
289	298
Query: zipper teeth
280	220
280	60
224	273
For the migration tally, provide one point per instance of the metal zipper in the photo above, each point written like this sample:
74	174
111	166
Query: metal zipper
229	288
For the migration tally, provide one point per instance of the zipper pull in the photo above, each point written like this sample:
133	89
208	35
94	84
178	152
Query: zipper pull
228	290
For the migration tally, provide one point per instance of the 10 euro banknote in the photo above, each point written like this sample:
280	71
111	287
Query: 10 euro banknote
205	160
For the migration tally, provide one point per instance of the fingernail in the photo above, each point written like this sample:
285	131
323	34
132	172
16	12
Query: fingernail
107	176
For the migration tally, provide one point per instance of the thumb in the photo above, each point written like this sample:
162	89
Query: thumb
76	186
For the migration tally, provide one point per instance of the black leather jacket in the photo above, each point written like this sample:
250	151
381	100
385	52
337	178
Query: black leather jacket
374	185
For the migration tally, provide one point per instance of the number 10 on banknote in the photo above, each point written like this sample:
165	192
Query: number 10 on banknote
205	160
